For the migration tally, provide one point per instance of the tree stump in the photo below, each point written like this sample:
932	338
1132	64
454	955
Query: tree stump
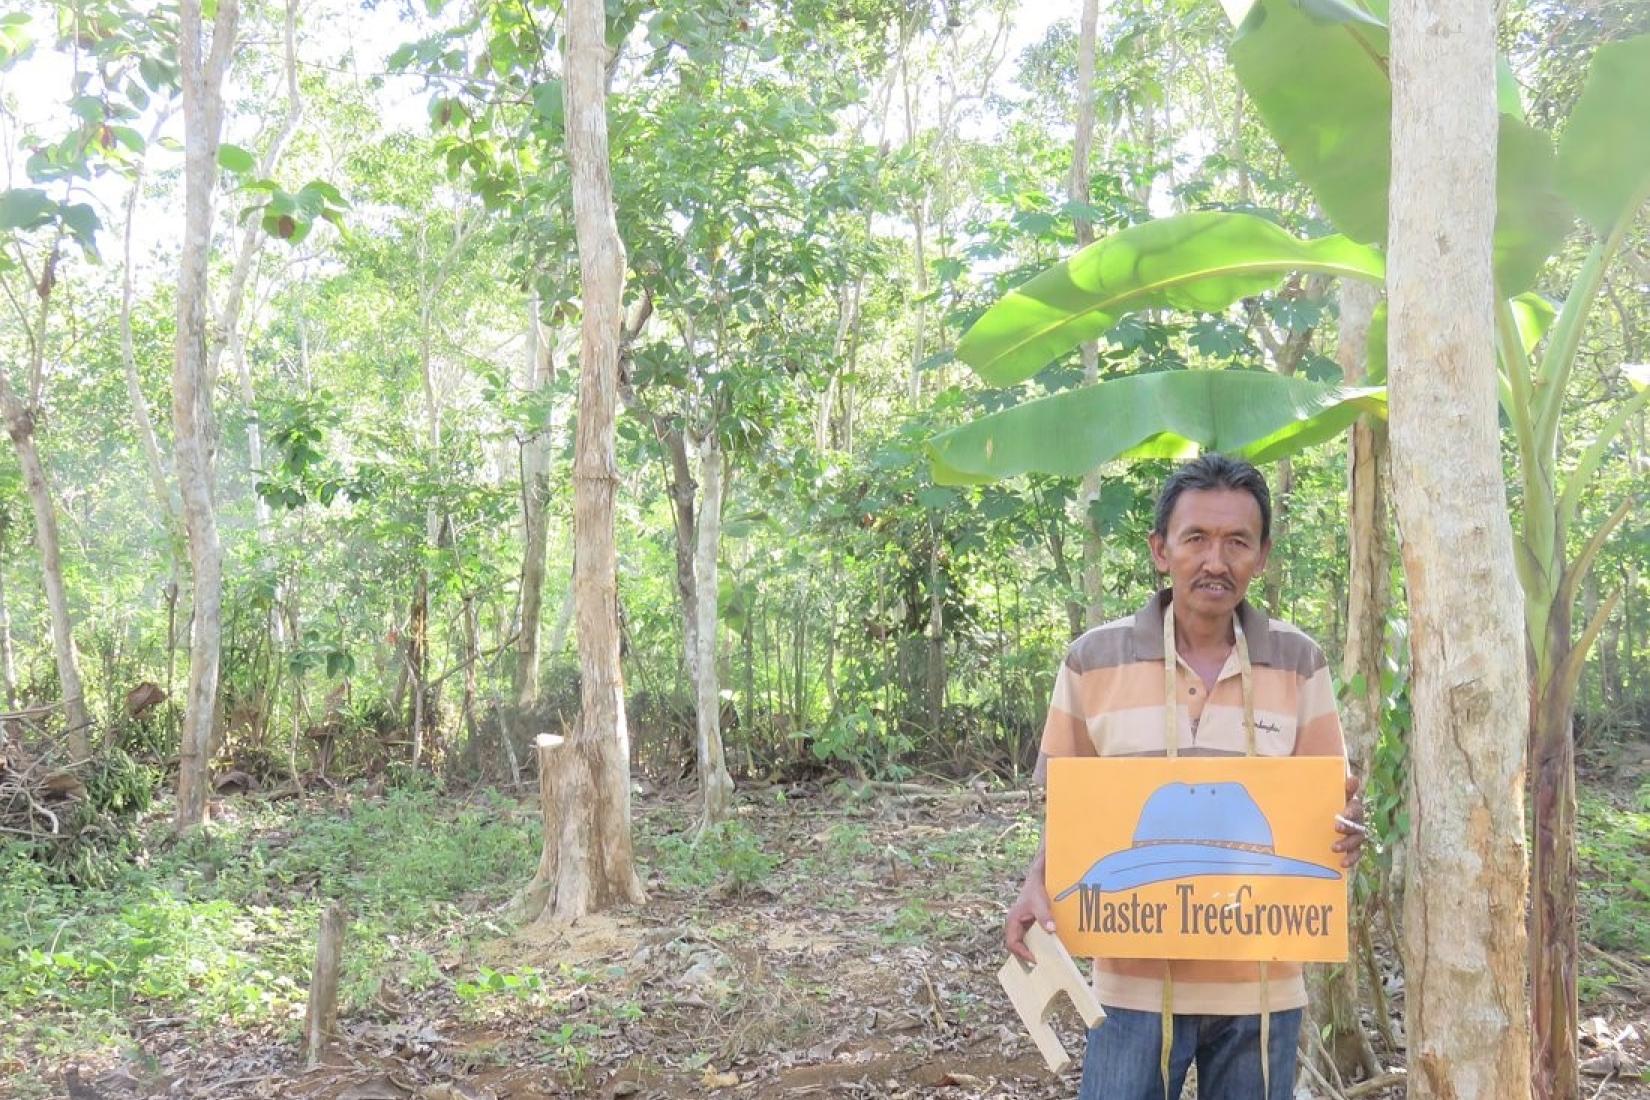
533	899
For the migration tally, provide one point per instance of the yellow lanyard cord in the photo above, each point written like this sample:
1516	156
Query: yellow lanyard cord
1171	745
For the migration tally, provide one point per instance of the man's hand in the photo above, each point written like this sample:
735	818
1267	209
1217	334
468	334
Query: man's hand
1349	823
1031	907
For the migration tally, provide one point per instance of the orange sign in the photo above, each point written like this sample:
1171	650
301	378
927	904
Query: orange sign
1198	857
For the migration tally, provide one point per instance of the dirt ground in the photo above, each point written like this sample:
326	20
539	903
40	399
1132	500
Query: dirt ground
862	963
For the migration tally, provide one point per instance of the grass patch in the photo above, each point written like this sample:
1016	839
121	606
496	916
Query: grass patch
220	927
1614	840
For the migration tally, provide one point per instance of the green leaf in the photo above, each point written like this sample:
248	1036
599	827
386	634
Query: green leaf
233	158
1531	217
1165	414
1604	155
1203	262
1323	90
1509	100
1534	316
25	208
549	105
81	221
322	192
1637	375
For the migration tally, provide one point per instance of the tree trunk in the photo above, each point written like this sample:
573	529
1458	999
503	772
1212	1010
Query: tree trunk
20	426
418	662
8	658
1464	942
535	495
715	785
1335	995
472	658
1553	918
1093	571
681	491
936	633
194	430
594	867
1369	571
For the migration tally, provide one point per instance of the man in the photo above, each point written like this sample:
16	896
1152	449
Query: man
1212	535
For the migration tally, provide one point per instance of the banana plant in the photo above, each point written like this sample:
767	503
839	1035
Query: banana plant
1203	261
1317	72
1330	118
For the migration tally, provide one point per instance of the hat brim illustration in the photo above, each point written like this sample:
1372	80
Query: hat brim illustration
1142	866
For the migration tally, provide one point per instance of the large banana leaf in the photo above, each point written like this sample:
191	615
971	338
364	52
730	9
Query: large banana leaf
1167	414
1319	80
1604	155
1317	71
1531	217
1203	261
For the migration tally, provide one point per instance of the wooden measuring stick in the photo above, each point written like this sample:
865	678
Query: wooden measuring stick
1033	990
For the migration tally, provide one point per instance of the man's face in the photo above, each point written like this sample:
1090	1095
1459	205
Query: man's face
1212	551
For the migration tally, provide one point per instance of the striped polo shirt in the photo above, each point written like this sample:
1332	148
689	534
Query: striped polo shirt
1108	701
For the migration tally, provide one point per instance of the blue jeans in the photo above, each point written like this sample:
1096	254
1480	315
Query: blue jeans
1125	1051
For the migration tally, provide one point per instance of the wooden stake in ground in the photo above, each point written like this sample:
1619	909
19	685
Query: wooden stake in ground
1035	989
321	1019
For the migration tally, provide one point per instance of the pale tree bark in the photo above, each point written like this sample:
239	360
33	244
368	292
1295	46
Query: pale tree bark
535	494
587	861
194	430
1369	574
682	490
1467	1012
715	784
936	632
20	425
8	658
21	412
1334	1000
1093	562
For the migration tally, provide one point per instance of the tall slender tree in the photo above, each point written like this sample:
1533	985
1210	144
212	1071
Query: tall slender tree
588	862
1466	1007
1082	148
203	65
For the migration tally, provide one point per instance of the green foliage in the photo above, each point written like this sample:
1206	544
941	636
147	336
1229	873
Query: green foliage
1615	883
727	854
1604	154
223	925
1201	262
1168	414
858	738
1319	77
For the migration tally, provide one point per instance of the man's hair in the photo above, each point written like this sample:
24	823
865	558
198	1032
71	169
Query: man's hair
1214	471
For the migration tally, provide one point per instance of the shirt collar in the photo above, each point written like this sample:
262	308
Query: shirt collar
1148	630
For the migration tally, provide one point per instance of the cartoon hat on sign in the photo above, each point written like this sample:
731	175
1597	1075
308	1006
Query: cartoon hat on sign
1187	830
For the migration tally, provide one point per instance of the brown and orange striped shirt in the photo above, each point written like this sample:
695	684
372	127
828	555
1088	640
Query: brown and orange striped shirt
1108	701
